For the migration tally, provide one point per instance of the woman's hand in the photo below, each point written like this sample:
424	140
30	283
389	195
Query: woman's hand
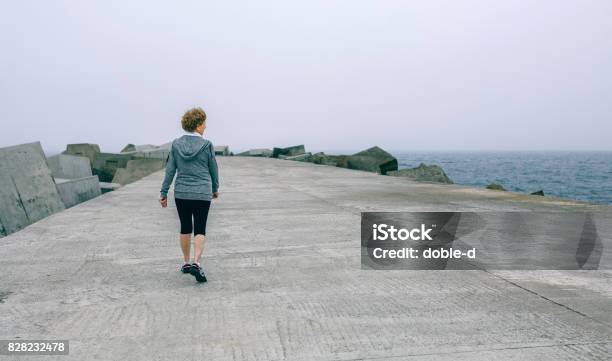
163	202
215	194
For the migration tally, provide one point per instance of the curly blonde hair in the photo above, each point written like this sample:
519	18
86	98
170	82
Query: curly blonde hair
193	118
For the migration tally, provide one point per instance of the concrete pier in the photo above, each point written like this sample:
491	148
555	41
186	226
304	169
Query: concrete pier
283	261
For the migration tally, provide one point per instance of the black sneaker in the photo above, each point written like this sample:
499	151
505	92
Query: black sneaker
186	268
197	272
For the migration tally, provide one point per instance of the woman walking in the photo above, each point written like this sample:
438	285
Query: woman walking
192	158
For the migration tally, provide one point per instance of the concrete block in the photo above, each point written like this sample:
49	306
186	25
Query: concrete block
495	186
137	169
259	152
423	173
327	159
148	150
106	187
298	158
27	190
115	160
151	147
12	215
153	154
222	150
69	166
145	147
128	148
106	164
75	191
373	159
83	149
289	151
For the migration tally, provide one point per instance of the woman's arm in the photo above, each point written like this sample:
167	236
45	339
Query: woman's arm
213	170
170	171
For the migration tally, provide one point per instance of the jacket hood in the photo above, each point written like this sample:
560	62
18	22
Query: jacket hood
188	146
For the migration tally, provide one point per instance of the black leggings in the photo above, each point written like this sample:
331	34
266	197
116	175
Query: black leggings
188	208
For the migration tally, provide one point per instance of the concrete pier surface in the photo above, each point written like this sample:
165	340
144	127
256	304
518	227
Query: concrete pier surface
285	283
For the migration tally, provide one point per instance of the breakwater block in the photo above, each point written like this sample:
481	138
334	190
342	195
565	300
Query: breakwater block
373	159
495	186
306	157
328	159
106	164
137	169
69	166
423	173
289	151
147	151
88	150
128	148
27	190
222	150
75	191
106	187
258	152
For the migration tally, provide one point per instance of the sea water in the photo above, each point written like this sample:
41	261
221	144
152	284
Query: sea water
583	176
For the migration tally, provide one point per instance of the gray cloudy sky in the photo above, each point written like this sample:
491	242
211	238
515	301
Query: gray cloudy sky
335	75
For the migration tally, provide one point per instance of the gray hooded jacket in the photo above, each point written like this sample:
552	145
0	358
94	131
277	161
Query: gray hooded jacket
193	161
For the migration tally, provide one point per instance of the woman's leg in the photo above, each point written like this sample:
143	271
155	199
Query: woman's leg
185	213
186	246
198	247
200	216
